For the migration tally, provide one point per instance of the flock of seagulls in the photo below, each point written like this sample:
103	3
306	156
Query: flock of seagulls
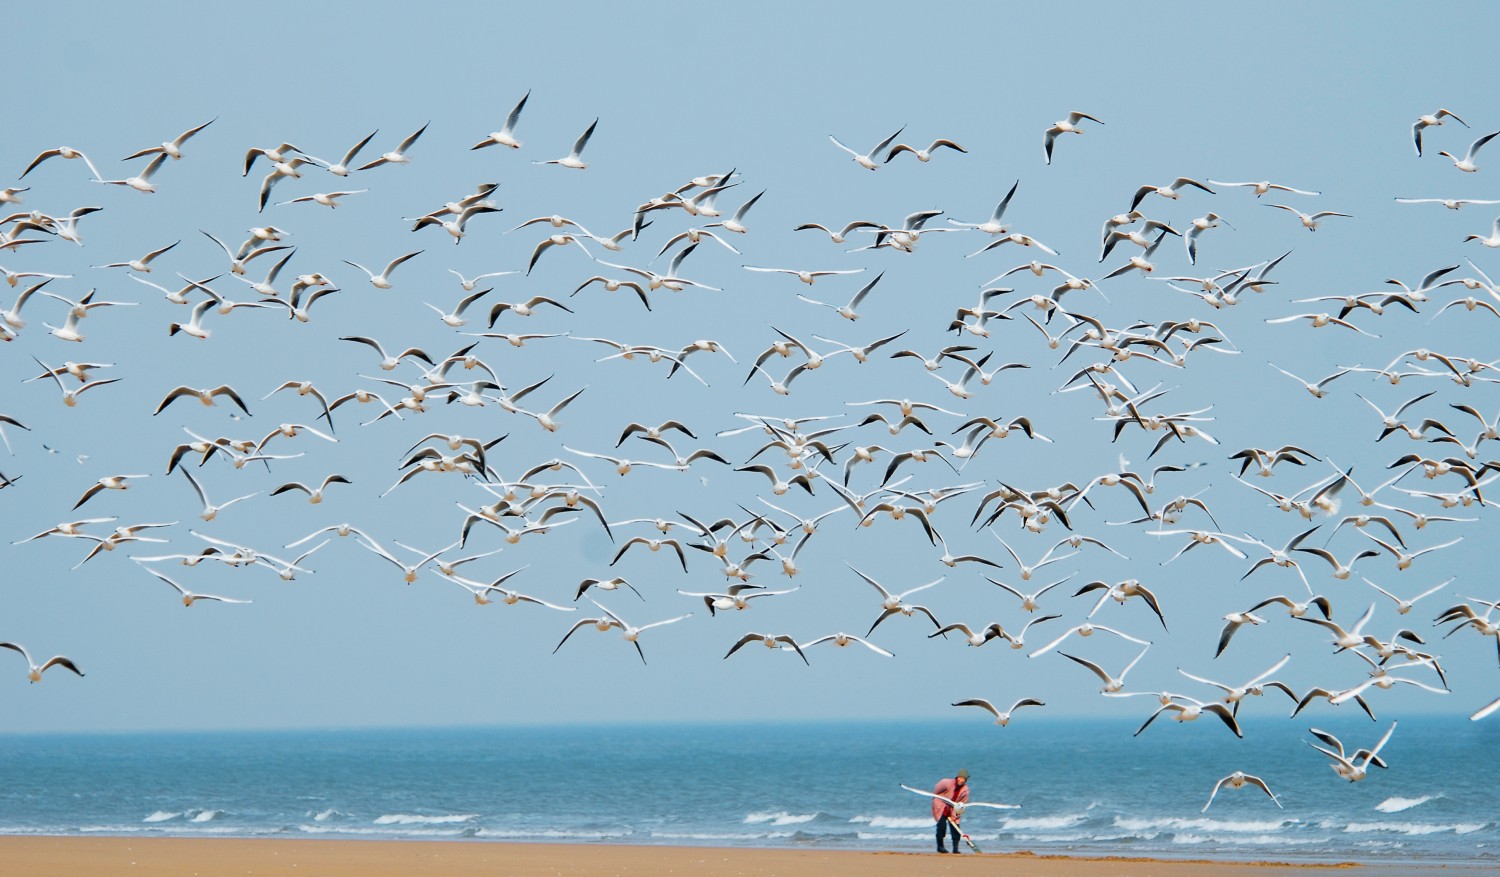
910	468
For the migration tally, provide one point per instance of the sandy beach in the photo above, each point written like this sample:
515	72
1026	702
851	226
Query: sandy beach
219	857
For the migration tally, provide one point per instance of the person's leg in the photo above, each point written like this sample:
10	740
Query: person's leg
954	832
940	828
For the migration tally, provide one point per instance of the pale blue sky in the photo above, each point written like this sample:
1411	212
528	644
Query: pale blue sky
1318	99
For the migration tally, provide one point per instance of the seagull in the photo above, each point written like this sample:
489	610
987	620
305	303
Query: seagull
1492	241
506	136
65	152
1112	685
1064	126
1428	120
327	199
1263	186
206	396
1234	694
314	495
398	155
171	147
388	362
867	160
959	806
143	264
455	227
1466	164
109	482
630	634
1405	606
1309	220
1172	190
1187	712
34	672
770	641
189	597
1353	768
1087	629
844	639
848	311
842	234
341	169
1001	718
923	155
808	277
1238	780
211	510
573	159
383	279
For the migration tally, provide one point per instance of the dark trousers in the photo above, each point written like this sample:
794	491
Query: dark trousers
952	830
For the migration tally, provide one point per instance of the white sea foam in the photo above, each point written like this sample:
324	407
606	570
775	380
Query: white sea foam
1397	805
206	815
410	819
1172	823
326	815
893	821
161	816
1042	823
1246	840
1412	829
780	817
378	832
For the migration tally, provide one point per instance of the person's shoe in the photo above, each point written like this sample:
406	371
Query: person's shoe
942	849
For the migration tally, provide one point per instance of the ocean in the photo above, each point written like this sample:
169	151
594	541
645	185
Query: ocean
1086	787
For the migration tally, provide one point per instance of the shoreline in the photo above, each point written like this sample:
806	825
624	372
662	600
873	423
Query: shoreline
109	856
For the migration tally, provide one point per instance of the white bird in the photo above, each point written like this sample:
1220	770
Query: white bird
959	806
506	136
1001	718
1310	221
1466	164
383	279
770	641
1492	241
1428	120
808	277
1238	780
1112	684
211	510
1172	190
327	199
1261	187
848	311
64	152
844	639
456	227
34	671
397	155
574	158
190	597
1405	606
342	169
143	264
1064	126
1353	768
314	494
1085	630
171	147
923	155
868	159
109	482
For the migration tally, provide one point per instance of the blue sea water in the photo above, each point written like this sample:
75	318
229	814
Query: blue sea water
1085	787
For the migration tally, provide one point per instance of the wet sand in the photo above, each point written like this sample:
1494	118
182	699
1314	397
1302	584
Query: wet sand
217	857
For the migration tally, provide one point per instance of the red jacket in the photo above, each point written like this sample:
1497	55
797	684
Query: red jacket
946	787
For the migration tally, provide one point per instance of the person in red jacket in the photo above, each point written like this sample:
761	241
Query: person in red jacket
955	789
